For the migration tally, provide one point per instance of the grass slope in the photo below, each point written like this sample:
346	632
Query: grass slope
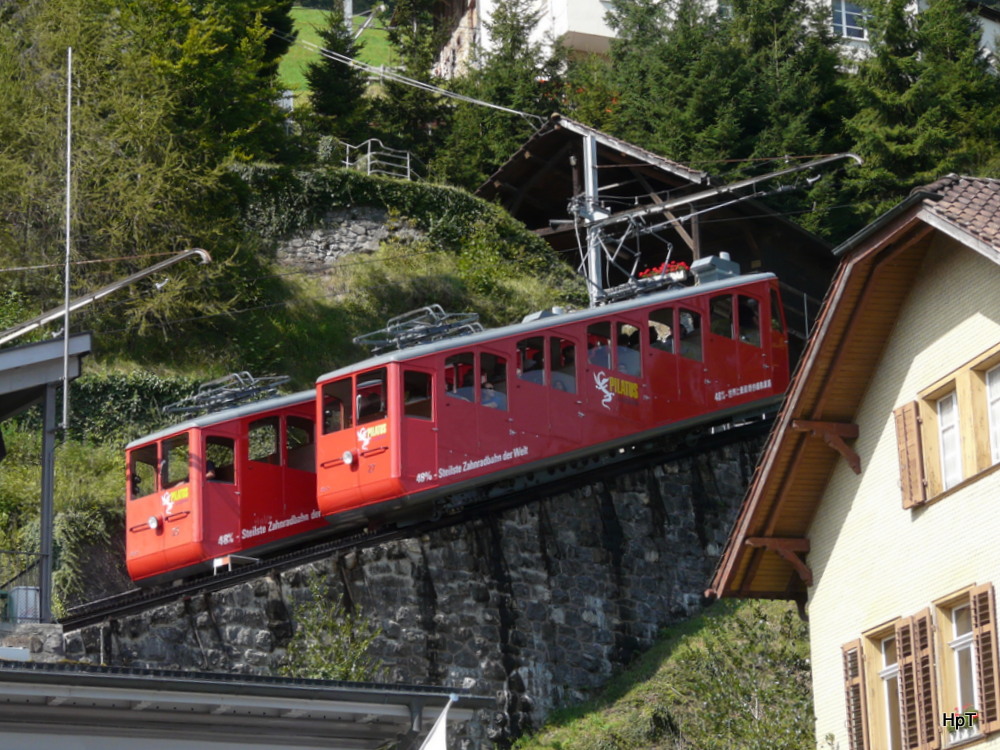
734	677
376	50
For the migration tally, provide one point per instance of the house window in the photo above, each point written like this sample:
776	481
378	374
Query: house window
951	432
922	669
848	20
993	408
889	674
950	440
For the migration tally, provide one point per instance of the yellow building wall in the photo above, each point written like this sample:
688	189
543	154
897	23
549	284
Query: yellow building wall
873	561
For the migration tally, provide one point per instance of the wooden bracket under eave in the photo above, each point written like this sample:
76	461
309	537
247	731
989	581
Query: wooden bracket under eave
834	434
789	548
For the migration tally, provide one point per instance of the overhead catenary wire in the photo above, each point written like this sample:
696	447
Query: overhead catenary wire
398	78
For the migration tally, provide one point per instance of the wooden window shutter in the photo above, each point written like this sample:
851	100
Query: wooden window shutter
925	671
909	716
984	633
911	459
854	689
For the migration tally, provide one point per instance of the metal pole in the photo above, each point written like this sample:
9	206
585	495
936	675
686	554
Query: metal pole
595	253
69	151
48	504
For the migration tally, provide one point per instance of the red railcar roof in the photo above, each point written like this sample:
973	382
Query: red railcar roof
546	322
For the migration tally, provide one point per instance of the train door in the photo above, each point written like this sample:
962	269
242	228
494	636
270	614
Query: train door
776	341
418	433
754	372
457	438
299	477
372	434
261	486
529	397
493	412
566	409
596	380
219	492
337	469
693	383
660	361
722	349
627	383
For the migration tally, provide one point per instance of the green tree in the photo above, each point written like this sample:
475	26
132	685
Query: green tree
336	90
330	642
406	116
928	103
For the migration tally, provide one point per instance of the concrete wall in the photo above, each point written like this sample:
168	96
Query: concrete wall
537	605
872	560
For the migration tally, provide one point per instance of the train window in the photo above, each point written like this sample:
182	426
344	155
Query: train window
372	396
460	376
220	453
661	329
531	359
143	471
722	315
263	441
336	406
690	328
749	311
417	399
776	324
629	360
175	461
493	379
599	344
299	444
563	358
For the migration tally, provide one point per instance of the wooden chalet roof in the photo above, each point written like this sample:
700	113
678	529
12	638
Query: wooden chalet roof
765	553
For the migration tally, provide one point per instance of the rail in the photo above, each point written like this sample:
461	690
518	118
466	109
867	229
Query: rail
20	579
374	157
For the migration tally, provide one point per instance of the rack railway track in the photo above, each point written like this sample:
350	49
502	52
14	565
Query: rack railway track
456	509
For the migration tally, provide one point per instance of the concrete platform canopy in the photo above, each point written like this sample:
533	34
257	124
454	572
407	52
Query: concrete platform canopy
79	707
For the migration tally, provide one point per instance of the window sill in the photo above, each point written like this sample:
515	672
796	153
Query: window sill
968	481
967	742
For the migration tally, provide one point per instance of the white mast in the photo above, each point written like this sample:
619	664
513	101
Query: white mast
69	142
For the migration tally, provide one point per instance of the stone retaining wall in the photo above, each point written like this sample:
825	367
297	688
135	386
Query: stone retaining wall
538	605
344	231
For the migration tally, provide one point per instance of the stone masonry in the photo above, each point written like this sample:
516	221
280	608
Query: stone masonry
538	605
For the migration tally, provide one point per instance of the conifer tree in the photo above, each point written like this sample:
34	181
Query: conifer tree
514	73
336	89
928	103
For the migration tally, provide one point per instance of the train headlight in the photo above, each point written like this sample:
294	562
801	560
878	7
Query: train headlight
154	523
348	457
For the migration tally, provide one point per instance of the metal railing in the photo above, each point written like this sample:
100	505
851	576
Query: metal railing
20	579
374	157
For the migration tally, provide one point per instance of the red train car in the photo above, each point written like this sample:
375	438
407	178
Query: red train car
237	482
401	428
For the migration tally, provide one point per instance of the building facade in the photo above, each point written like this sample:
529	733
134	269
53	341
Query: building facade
875	501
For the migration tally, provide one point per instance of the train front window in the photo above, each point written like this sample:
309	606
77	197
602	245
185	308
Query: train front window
531	359
722	315
460	376
176	453
690	331
337	406
629	358
263	441
563	357
143	471
418	401
749	311
493	374
372	396
599	344
299	444
220	456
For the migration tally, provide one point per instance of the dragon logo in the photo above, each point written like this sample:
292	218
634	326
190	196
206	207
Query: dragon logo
168	502
364	437
601	381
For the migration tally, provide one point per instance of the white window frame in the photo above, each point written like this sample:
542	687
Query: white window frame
950	441
890	689
842	11
993	409
959	644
